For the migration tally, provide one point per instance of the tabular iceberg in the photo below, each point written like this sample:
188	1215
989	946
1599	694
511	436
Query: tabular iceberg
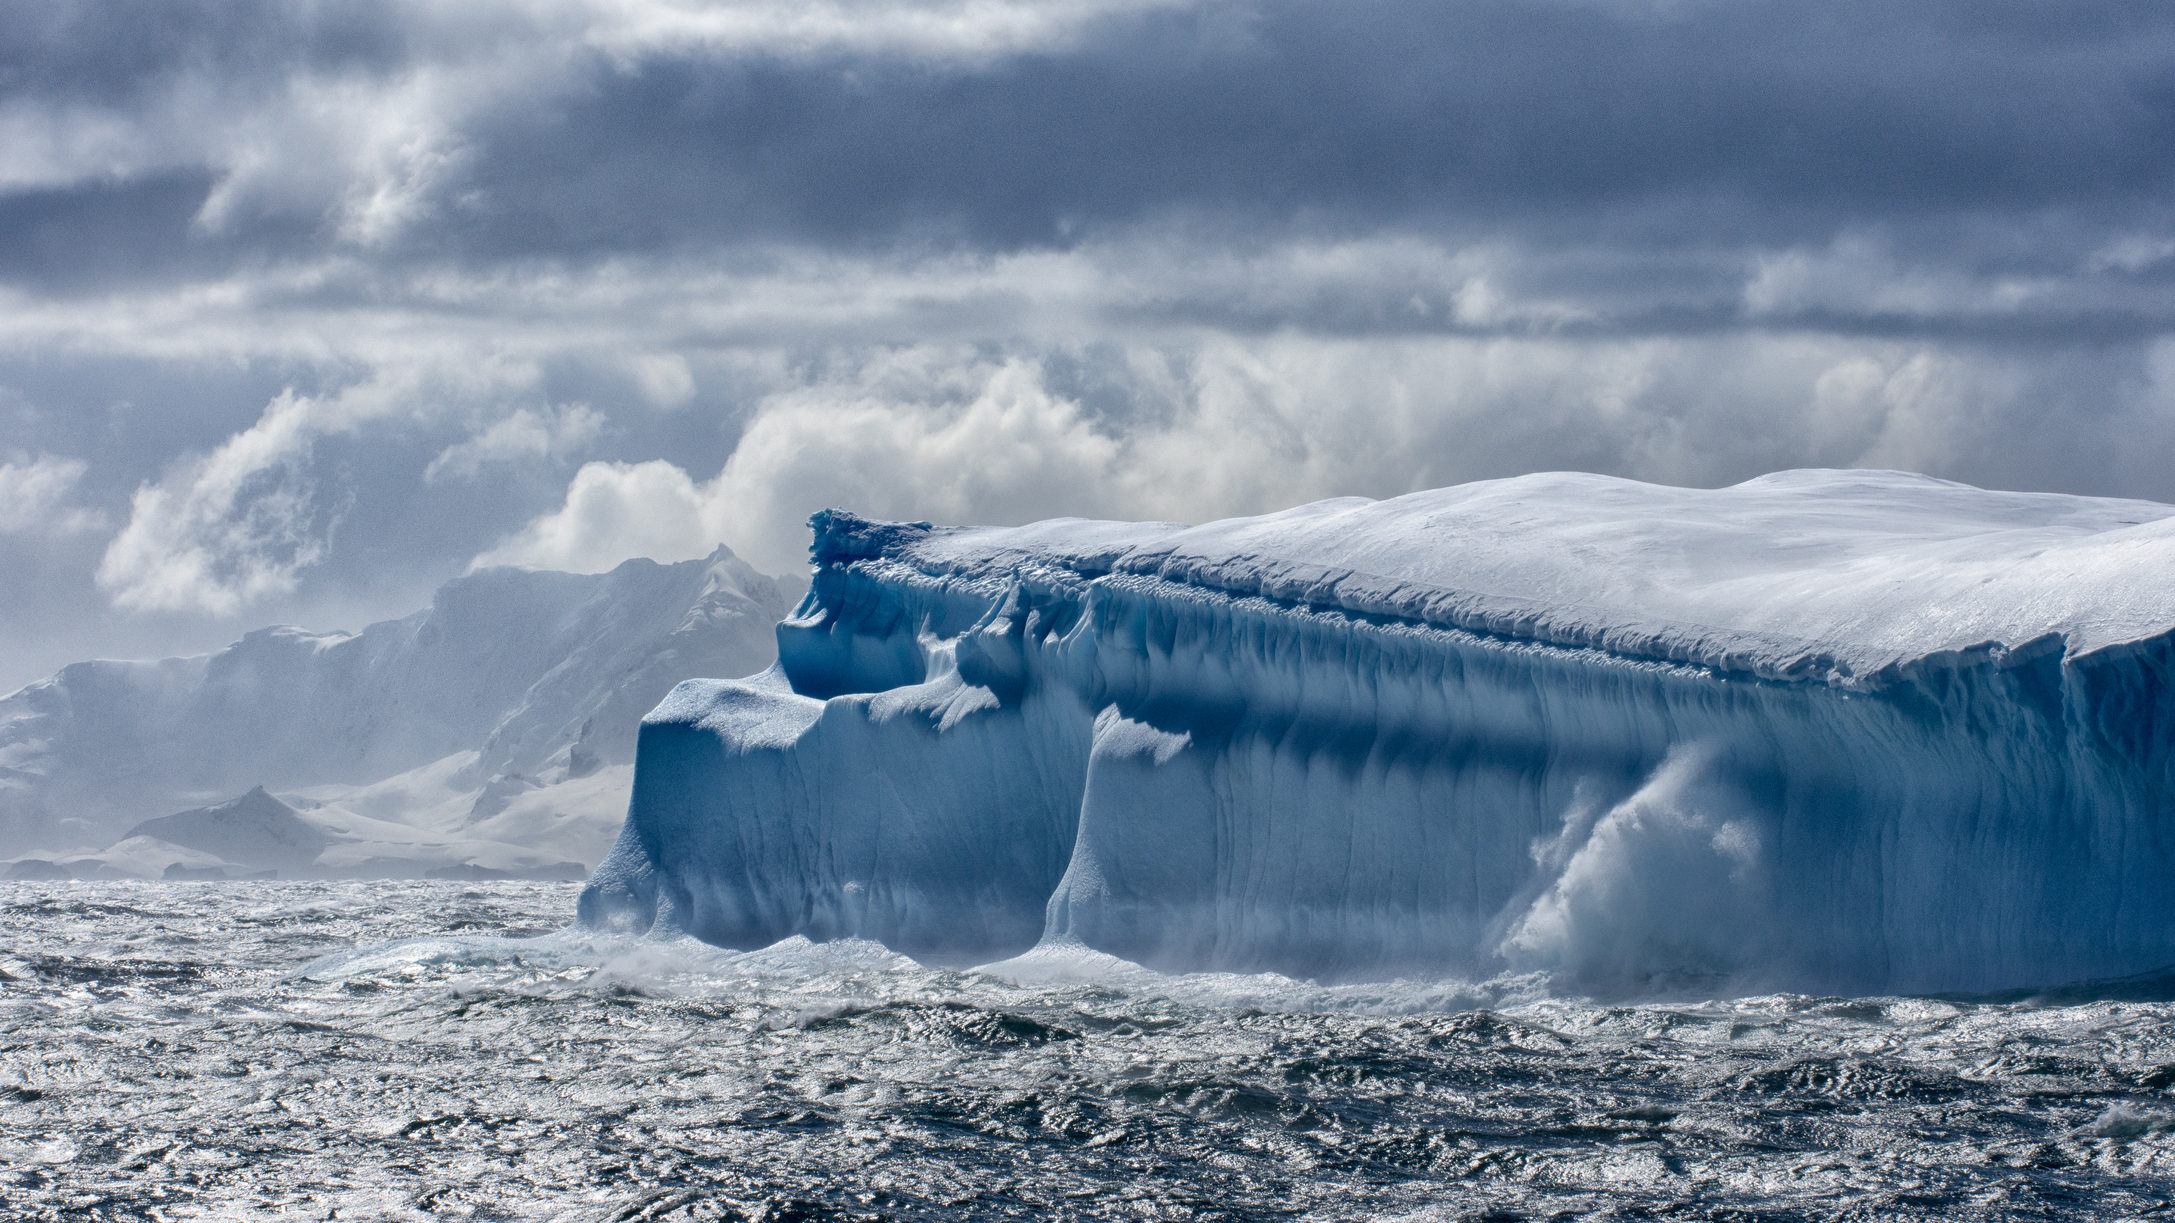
1824	730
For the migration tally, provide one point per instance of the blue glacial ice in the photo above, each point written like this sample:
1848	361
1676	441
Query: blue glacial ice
1839	731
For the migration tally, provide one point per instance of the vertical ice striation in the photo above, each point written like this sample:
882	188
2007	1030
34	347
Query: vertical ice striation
1853	731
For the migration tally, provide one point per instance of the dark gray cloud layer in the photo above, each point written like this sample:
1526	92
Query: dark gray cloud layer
305	306
2035	129
1751	122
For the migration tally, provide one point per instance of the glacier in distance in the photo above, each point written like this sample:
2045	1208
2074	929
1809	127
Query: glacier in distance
1833	731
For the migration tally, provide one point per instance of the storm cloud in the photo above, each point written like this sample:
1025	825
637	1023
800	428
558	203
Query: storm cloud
306	307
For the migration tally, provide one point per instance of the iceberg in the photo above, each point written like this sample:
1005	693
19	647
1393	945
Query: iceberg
1836	731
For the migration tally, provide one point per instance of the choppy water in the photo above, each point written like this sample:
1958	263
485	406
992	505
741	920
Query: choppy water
183	1050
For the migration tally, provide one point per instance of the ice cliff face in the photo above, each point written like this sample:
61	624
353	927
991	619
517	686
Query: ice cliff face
511	681
1853	731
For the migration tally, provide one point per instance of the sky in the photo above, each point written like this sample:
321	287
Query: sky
309	306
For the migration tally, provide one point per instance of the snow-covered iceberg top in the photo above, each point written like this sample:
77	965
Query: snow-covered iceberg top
1828	731
1828	573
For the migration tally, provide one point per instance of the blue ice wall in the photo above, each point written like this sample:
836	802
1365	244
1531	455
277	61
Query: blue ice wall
963	760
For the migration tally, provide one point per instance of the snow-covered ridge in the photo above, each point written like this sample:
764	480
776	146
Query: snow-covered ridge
494	728
1825	730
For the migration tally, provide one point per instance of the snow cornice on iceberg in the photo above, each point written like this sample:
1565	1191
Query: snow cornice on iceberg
1800	574
1560	722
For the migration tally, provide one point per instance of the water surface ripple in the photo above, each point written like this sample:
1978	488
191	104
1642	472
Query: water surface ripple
444	1050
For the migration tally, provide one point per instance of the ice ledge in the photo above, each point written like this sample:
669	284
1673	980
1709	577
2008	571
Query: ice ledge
1837	576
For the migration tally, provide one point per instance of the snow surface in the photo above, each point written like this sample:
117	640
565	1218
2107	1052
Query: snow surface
492	732
1845	571
1858	731
255	830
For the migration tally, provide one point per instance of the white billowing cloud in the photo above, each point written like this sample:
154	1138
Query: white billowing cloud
364	152
36	497
1228	427
225	528
220	530
367	153
915	436
918	433
614	511
527	435
1936	409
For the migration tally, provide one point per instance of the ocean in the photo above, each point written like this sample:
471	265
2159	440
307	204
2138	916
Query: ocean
403	1050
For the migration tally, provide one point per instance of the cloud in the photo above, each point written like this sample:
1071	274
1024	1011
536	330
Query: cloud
920	432
1227	426
223	530
507	128
970	260
361	120
614	511
227	528
943	30
36	497
527	435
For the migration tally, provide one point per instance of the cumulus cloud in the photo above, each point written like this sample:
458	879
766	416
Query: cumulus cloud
36	497
1229	426
614	511
916	432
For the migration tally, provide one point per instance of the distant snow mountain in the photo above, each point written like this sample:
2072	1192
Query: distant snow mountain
493	731
255	830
